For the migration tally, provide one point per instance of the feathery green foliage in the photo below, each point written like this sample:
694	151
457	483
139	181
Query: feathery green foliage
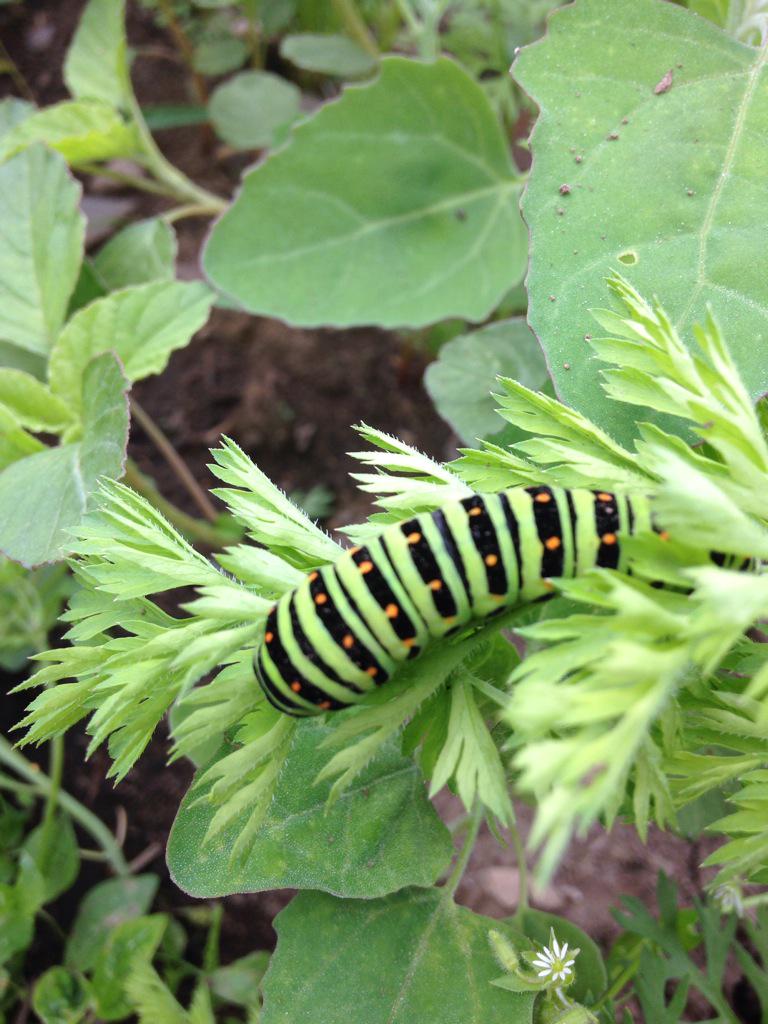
621	700
615	714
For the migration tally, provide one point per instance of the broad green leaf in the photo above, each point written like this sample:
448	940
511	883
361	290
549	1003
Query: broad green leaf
81	130
462	380
31	402
395	205
715	10
142	252
666	181
327	54
104	907
16	358
380	835
41	245
60	997
411	958
254	109
55	856
217	49
96	67
142	325
44	496
239	982
17	922
15	441
12	112
129	944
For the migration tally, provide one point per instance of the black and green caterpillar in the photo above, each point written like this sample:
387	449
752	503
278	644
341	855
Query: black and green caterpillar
347	626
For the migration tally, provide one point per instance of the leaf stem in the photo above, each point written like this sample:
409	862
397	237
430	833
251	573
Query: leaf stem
355	26
42	785
18	78
475	820
129	180
185	48
188	210
757	900
409	17
55	772
176	183
253	33
522	871
182	471
196	530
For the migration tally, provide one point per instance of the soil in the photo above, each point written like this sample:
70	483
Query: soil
288	397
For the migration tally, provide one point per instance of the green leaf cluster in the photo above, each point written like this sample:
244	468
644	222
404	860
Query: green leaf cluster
90	126
70	346
613	711
664	958
117	959
616	711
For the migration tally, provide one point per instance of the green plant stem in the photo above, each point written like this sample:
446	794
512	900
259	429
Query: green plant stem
177	184
39	782
355	26
48	824
195	530
211	959
16	76
475	821
185	48
409	17
163	444
129	180
187	210
522	871
253	33
758	900
425	31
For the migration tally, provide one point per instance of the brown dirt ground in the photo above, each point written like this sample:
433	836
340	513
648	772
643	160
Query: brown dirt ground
288	397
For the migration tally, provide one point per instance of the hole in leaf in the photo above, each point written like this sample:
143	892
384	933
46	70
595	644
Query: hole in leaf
628	258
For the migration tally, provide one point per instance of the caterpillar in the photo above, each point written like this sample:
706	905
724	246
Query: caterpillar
347	626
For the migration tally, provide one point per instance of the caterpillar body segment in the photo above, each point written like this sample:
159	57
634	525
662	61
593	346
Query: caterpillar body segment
345	629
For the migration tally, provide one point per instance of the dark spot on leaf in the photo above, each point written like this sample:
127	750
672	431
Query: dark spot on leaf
587	337
566	366
625	120
578	159
460	214
612	136
665	84
565	190
689	192
628	258
551	298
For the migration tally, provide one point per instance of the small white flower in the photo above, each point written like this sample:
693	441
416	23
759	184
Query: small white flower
551	960
729	898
